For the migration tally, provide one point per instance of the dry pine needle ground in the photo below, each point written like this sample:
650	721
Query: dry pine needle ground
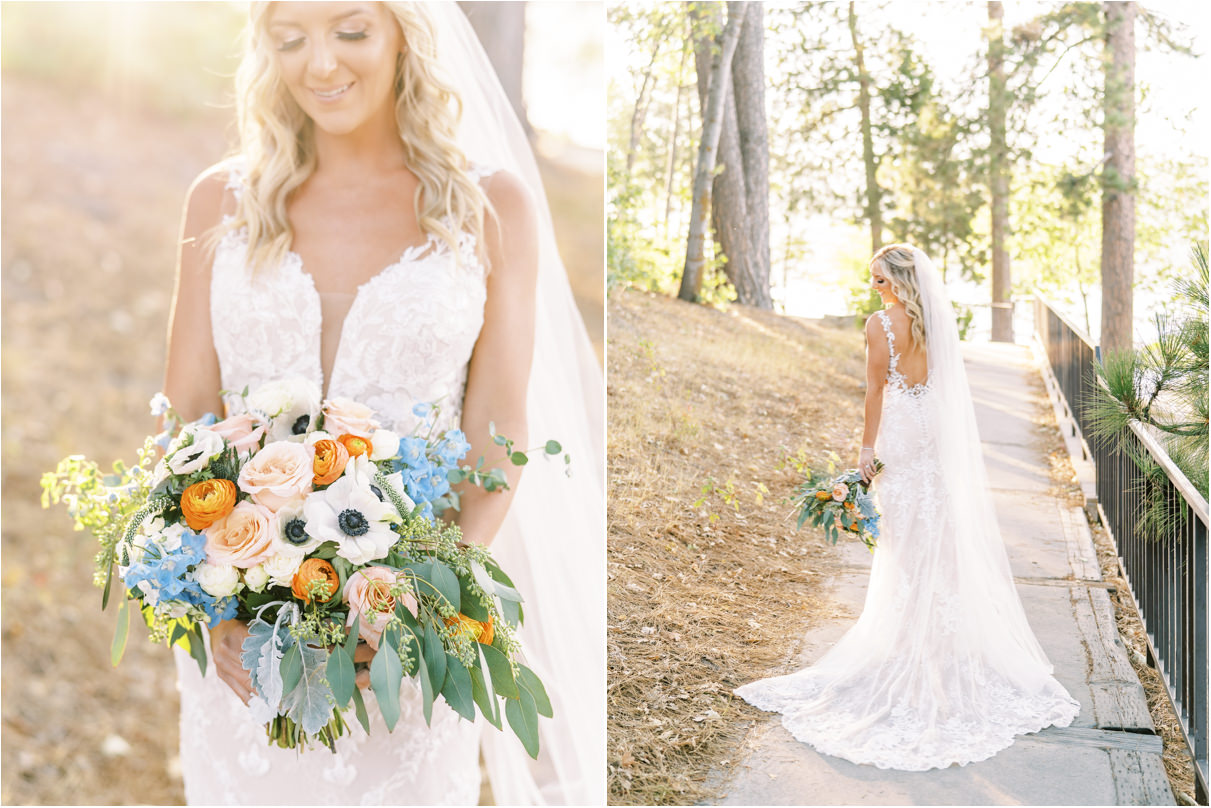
710	589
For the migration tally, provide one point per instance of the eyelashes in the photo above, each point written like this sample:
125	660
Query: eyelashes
346	36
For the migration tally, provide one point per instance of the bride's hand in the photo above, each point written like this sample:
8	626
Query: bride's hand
362	657
226	643
866	464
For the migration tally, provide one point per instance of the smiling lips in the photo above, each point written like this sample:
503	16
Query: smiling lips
328	95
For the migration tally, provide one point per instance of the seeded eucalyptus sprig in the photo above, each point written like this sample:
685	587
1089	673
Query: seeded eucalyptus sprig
494	479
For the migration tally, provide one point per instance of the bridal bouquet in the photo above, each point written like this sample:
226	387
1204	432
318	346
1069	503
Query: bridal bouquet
839	503
319	529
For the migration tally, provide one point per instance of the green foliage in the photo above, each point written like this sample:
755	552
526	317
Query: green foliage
1162	385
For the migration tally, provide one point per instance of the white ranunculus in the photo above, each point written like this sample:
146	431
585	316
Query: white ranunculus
218	580
385	443
187	459
255	578
282	567
349	513
287	405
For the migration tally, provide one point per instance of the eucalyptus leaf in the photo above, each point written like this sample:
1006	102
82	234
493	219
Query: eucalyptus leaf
435	657
457	688
426	689
523	718
519	458
197	648
121	633
446	582
359	707
553	447
386	673
292	668
486	701
501	671
530	682
471	604
341	677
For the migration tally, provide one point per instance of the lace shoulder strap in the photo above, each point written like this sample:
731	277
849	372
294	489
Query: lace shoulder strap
893	360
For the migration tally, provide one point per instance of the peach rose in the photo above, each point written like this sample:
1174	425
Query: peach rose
279	473
480	632
356	445
840	492
344	416
243	432
204	503
329	463
310	571
368	593
243	538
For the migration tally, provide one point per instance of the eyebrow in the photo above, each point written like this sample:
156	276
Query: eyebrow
338	18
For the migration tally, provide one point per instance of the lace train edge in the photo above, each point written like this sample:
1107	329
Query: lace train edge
821	736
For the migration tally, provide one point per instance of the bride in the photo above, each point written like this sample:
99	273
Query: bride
942	666
368	240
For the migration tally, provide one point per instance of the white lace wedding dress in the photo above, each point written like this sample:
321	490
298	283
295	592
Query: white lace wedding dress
407	337
925	678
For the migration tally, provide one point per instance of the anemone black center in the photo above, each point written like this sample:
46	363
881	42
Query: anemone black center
300	424
296	531
352	523
378	492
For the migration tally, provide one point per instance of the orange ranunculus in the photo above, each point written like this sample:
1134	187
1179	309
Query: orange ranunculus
206	502
849	506
480	632
330	460
824	495
356	445
315	569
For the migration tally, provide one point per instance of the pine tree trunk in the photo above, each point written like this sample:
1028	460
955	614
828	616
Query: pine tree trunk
1118	178
729	203
712	125
998	178
751	276
874	210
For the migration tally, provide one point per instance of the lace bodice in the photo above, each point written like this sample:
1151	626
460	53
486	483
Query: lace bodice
895	379
407	336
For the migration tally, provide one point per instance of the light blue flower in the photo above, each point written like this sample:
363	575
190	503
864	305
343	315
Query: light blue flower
159	404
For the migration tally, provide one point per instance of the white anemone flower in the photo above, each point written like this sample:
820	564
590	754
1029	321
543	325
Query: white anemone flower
351	514
205	446
290	406
296	537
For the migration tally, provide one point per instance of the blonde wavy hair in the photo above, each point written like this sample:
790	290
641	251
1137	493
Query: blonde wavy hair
896	262
278	149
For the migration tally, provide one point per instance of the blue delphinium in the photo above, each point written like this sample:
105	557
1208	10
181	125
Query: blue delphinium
424	468
162	577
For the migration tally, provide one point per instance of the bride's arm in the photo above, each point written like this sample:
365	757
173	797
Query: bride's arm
877	358
500	364
191	372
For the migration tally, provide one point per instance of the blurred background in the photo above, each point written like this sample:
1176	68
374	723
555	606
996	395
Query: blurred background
109	111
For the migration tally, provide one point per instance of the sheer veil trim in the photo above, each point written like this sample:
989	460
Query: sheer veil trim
553	538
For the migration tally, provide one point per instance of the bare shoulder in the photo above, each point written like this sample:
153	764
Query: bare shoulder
511	200
208	198
511	223
873	326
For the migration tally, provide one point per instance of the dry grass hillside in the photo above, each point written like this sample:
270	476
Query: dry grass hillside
710	585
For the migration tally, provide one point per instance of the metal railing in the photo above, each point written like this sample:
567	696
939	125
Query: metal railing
1168	575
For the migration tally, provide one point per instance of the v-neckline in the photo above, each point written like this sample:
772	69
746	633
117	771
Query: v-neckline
412	254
